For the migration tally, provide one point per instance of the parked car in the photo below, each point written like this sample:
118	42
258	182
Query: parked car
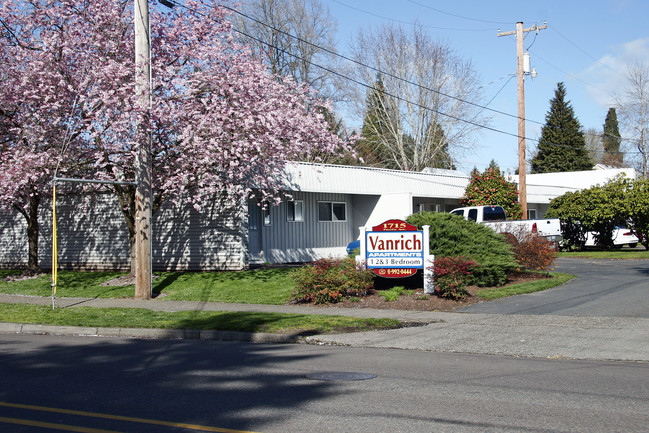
353	245
494	217
622	235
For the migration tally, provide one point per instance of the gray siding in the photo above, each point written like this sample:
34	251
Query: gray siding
91	235
13	239
186	239
95	237
289	242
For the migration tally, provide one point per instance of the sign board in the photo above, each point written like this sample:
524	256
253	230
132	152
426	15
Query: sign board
394	249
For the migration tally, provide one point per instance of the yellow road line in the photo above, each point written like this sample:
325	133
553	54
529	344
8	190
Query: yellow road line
119	418
50	425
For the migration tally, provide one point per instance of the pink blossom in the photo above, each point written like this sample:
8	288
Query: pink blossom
221	122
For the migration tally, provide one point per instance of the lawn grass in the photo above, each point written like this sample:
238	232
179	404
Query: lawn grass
72	284
263	286
527	287
190	320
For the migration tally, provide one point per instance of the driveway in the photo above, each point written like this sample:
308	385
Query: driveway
602	314
603	288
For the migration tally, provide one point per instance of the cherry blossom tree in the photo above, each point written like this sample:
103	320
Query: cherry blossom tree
221	125
39	106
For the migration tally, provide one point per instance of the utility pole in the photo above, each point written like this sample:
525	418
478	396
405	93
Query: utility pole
520	72
143	164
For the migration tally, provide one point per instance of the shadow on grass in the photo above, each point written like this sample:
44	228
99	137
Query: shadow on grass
245	322
290	324
164	282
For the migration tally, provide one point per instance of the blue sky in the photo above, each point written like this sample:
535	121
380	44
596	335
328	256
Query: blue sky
587	45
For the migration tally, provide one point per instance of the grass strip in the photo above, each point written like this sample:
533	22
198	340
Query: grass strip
527	287
201	320
264	286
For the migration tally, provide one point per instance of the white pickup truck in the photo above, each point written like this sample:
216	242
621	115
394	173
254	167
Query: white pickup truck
494	217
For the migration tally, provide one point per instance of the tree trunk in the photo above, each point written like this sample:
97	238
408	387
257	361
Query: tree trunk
131	240
32	233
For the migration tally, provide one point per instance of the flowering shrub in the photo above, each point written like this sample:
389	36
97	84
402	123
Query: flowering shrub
330	280
452	275
491	187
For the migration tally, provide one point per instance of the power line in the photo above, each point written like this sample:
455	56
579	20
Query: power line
406	22
349	59
377	70
333	53
452	14
587	54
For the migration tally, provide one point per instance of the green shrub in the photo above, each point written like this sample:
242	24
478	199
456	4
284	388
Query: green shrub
330	281
452	275
453	236
393	293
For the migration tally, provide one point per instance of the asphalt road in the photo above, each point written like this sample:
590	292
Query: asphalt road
90	384
603	314
604	288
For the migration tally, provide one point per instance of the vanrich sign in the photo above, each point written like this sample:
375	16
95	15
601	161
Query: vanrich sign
396	249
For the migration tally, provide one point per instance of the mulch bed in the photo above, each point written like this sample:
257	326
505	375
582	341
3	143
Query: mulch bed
419	302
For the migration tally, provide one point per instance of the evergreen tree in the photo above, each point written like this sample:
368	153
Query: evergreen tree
371	147
440	157
562	146
612	140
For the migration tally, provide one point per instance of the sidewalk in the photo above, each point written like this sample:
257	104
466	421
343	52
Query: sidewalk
598	338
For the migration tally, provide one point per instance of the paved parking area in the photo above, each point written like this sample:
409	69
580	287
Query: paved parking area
603	288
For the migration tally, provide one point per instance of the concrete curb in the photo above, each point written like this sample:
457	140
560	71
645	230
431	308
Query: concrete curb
172	334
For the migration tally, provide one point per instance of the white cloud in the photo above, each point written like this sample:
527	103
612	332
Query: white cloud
607	75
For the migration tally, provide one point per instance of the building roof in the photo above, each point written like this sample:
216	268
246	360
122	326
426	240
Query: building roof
543	187
344	179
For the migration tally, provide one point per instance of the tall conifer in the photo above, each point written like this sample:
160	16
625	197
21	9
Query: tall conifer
612	140
562	146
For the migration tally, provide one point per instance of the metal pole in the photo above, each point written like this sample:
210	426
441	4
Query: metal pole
143	161
55	248
106	182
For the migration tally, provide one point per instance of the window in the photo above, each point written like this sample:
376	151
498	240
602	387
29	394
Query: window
295	211
531	214
493	213
331	211
473	214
